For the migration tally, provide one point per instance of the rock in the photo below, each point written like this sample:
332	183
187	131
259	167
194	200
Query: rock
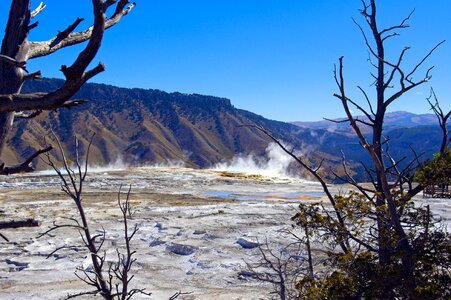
89	268
247	244
159	226
19	266
245	274
199	264
199	232
208	237
59	256
298	257
156	242
203	266
180	249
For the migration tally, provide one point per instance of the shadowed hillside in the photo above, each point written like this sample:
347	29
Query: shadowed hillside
404	132
150	126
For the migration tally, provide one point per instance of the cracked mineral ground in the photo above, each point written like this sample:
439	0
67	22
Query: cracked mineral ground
197	230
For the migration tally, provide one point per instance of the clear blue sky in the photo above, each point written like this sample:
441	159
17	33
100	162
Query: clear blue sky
272	57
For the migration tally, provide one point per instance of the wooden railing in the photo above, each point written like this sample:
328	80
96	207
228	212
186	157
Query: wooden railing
437	191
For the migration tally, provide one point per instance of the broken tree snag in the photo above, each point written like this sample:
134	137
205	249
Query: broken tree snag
71	37
64	34
16	50
24	167
38	9
19	223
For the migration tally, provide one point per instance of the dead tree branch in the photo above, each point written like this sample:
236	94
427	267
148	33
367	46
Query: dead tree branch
69	37
24	167
18	224
442	118
16	50
281	268
38	10
112	282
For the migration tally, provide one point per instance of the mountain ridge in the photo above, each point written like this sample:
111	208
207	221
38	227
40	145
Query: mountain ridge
151	126
393	120
148	126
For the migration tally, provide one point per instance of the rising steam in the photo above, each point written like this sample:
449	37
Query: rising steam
274	164
119	165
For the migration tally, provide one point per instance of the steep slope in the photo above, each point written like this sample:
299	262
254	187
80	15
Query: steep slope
150	126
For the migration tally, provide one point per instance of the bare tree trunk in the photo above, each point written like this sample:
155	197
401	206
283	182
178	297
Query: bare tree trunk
18	224
16	50
14	45
6	121
309	251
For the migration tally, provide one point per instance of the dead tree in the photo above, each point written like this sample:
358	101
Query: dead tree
391	82
16	50
110	281
442	118
282	266
378	225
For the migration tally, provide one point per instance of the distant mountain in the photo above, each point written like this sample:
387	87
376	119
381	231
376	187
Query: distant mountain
145	127
406	132
393	120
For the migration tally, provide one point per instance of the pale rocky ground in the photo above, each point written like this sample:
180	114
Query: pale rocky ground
204	209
